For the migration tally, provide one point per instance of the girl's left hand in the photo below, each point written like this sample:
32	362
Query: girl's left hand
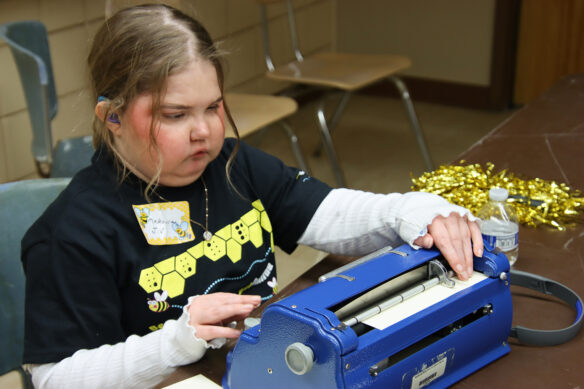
453	235
209	312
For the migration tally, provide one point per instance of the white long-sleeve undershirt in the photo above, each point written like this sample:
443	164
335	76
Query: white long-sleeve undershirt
353	222
139	362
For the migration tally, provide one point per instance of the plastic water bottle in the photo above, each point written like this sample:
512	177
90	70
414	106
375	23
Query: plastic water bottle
499	224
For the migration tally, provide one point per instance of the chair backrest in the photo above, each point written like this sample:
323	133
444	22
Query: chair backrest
30	48
71	155
265	31
21	203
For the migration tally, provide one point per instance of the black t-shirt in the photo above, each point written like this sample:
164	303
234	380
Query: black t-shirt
93	278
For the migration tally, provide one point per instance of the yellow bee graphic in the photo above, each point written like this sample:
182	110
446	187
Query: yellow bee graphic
143	215
181	230
159	303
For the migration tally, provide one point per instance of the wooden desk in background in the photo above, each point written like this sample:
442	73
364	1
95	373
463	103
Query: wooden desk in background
544	139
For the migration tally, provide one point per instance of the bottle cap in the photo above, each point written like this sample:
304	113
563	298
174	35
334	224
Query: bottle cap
498	194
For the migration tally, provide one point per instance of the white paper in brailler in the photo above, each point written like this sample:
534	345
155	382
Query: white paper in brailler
421	301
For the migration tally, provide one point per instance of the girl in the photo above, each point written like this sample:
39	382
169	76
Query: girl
148	255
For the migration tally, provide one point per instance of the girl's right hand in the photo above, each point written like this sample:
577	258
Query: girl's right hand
208	313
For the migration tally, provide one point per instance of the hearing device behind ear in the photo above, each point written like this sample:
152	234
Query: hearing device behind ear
114	118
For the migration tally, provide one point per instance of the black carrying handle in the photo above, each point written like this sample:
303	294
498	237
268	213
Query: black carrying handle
546	286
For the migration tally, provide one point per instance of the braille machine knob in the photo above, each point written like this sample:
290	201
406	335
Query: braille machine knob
299	358
250	322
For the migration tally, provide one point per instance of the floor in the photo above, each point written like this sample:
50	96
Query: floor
377	149
11	380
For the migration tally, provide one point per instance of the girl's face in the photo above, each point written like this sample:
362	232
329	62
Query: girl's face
190	132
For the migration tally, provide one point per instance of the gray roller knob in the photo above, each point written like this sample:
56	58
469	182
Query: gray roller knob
299	358
250	322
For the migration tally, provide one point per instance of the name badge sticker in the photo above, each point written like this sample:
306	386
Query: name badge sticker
165	223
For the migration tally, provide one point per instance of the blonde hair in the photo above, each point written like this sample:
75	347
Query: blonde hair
134	52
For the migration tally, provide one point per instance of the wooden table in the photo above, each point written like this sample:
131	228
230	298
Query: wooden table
544	139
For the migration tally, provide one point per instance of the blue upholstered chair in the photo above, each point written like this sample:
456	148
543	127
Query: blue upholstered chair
21	203
30	48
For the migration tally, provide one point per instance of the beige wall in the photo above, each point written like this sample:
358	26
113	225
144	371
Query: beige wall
447	40
71	25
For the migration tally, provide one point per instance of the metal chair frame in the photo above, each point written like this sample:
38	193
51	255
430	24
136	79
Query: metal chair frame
28	41
328	125
256	112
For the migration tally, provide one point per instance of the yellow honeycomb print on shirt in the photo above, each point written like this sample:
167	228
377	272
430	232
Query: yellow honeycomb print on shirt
170	274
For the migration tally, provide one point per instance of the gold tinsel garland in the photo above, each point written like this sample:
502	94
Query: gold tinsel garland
536	201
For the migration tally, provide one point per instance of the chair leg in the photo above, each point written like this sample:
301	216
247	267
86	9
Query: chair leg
405	95
328	144
295	146
26	378
334	119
